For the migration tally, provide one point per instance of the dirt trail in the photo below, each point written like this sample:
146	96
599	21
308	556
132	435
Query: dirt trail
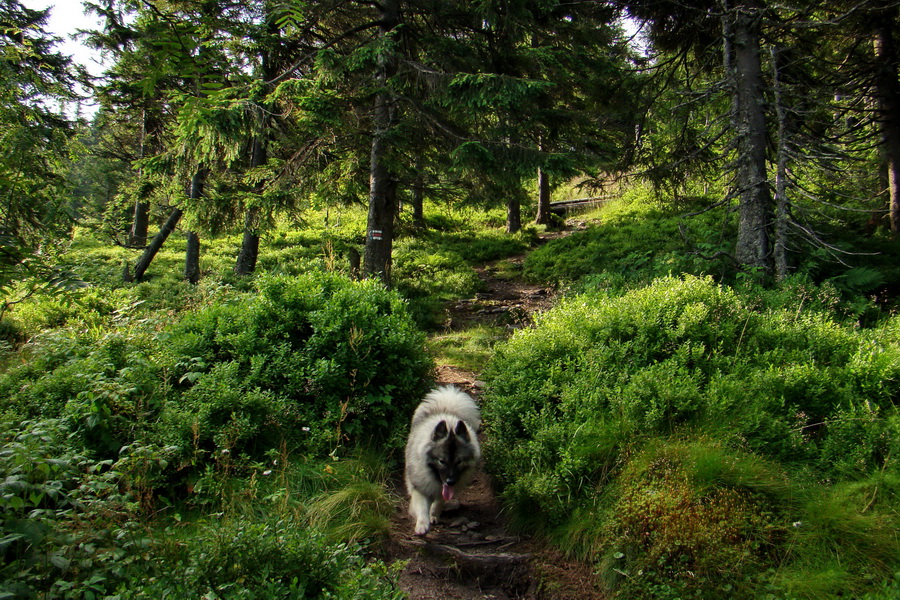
471	554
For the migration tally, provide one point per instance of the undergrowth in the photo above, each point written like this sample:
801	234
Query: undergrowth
71	529
262	399
692	439
637	240
163	439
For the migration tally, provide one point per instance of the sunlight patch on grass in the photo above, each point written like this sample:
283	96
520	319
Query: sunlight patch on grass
469	349
506	269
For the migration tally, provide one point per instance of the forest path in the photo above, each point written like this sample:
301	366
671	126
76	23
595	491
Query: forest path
471	553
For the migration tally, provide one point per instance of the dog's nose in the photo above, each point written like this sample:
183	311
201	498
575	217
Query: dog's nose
451	480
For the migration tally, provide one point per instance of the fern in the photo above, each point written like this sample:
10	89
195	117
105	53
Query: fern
860	280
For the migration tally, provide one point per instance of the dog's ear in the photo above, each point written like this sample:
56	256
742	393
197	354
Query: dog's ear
462	432
440	431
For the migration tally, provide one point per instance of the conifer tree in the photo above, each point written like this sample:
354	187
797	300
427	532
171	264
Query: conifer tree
34	78
35	217
132	103
884	18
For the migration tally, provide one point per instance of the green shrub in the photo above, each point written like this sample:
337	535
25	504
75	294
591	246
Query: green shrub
236	558
65	525
568	402
67	531
221	420
103	386
317	362
69	528
341	359
690	353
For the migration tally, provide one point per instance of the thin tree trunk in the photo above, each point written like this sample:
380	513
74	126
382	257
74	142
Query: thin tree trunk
192	253
382	183
888	90
158	240
137	236
782	205
353	258
247	257
513	214
417	201
753	187
543	216
192	258
140	222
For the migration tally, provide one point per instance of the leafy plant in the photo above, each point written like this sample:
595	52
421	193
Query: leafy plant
341	358
571	406
65	525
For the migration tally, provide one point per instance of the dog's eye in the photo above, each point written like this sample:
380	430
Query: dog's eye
442	462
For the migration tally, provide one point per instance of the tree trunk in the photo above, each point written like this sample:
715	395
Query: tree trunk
158	240
382	206
246	260
755	211
353	258
192	253
137	236
192	258
418	198
382	183
782	205
543	216
513	214
888	90
140	222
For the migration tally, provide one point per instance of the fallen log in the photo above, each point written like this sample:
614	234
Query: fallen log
566	206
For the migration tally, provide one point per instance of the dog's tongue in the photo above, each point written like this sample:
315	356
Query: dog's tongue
447	492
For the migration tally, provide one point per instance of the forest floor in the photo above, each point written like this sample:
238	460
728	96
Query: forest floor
471	553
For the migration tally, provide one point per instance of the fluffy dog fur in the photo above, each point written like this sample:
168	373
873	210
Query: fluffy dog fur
442	452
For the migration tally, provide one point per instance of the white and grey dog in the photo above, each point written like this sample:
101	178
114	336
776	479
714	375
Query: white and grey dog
442	452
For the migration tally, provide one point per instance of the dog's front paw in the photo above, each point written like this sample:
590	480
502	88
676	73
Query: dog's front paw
422	527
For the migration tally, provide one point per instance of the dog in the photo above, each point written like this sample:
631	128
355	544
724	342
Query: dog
442	452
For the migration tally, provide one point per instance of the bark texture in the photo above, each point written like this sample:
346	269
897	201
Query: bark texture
382	183
544	215
192	252
137	236
782	204
417	201
140	223
513	214
888	90
755	213
249	253
192	258
153	248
